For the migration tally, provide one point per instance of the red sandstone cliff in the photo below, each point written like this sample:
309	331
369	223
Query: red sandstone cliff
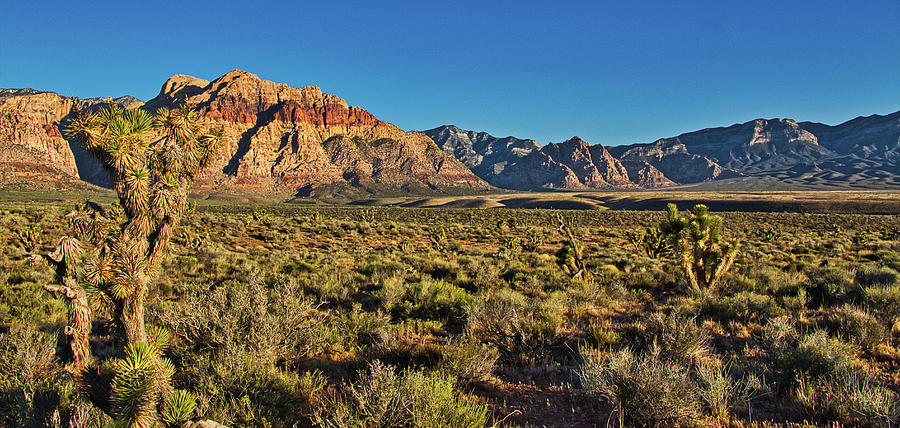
283	138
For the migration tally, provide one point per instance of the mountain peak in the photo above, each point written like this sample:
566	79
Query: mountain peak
14	92
179	82
576	141
238	73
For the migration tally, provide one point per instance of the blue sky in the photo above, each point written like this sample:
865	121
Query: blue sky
612	72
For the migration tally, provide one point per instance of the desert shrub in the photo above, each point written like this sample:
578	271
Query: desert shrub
382	398
22	300
245	317
469	361
521	329
676	338
29	392
831	285
391	291
240	389
856	326
850	396
599	333
377	271
431	299
644	390
716	389
333	284
723	389
236	339
884	300
775	281
360	328
746	306
811	356
876	276
484	274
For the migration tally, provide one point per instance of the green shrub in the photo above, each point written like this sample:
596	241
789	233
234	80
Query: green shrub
433	300
884	300
30	391
599	333
876	276
857	326
382	398
850	396
468	361
521	329
746	306
832	285
676	338
644	390
721	391
812	356
235	340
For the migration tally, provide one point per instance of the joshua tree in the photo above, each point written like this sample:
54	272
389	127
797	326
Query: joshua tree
652	243
697	242
108	264
570	257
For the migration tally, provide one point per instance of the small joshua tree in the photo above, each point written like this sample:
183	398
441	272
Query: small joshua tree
108	264
652	243
570	257
697	241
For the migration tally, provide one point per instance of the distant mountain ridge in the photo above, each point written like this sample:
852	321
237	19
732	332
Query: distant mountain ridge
304	142
863	152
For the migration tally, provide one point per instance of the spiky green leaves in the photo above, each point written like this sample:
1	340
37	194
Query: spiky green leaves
179	408
703	255
67	249
138	380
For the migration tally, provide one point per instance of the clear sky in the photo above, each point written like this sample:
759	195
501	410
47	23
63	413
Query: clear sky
612	72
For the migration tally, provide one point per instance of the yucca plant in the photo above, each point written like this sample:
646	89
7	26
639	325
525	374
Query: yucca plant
652	243
109	263
570	257
701	250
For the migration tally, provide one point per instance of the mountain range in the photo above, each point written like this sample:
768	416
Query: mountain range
301	142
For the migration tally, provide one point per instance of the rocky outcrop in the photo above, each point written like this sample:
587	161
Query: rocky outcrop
521	164
674	161
32	148
873	137
862	151
645	175
487	156
284	138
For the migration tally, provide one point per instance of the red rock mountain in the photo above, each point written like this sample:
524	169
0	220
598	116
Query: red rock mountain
33	150
283	138
31	146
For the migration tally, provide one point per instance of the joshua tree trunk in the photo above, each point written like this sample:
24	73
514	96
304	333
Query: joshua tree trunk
78	329
133	315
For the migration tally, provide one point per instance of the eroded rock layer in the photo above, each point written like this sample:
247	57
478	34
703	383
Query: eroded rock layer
279	137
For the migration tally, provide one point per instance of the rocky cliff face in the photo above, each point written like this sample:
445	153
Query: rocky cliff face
301	140
487	156
282	138
33	149
864	151
519	164
31	145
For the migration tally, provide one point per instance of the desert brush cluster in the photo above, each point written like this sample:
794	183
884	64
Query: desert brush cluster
151	310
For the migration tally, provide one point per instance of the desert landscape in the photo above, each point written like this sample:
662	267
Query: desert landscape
185	246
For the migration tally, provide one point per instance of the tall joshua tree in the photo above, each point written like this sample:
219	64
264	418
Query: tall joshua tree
109	262
699	247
